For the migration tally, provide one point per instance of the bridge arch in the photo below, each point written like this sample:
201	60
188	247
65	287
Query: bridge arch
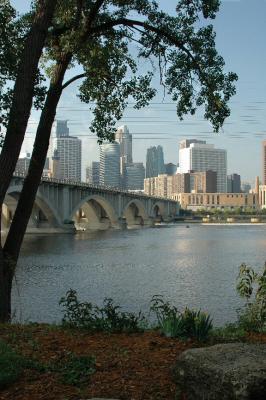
94	212
43	213
135	213
158	211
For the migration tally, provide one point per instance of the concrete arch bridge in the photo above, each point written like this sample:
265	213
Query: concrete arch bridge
63	205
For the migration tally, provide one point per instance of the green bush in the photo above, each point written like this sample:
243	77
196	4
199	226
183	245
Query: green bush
11	365
252	287
108	318
228	333
75	370
186	324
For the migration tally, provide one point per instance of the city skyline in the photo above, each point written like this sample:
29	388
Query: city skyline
61	131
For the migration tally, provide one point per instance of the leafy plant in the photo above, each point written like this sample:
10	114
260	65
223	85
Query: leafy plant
229	333
75	370
174	323
11	365
162	309
108	318
198	323
252	287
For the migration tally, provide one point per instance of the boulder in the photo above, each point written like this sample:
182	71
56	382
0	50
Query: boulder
235	371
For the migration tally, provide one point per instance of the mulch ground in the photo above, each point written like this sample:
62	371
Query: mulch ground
128	367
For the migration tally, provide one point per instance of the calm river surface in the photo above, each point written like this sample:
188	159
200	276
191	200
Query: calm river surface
195	267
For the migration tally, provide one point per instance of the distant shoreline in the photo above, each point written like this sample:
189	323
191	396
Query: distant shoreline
233	223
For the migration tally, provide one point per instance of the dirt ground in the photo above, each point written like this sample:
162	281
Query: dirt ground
128	367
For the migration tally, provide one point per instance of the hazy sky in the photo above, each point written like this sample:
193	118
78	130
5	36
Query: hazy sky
241	30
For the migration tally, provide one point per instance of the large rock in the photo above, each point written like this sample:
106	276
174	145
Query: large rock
235	371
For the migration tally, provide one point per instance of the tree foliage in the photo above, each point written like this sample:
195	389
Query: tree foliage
13	32
99	35
252	286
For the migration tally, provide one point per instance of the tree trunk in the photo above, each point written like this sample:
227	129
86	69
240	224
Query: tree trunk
27	197
23	93
18	119
5	289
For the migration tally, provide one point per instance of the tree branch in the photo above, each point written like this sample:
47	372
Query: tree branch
133	23
75	78
93	12
161	32
78	13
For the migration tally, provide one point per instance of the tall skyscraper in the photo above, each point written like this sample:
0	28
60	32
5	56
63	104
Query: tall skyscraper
61	128
264	162
69	152
124	138
110	164
154	161
233	183
199	156
93	173
135	175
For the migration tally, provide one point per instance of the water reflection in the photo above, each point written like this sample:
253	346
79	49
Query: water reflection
194	267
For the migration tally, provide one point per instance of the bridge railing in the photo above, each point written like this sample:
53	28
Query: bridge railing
106	188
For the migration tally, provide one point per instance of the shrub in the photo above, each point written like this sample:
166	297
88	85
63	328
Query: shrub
186	324
199	324
229	333
252	287
108	318
11	365
75	370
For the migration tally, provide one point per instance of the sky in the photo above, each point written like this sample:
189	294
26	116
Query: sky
240	26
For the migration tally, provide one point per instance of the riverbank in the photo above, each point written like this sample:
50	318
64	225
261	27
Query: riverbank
125	366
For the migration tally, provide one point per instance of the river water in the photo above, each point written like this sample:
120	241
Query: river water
195	267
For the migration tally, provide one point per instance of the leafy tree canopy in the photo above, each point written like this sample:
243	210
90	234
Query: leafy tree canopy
98	36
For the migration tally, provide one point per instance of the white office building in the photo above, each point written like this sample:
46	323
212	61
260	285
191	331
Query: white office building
124	138
110	164
199	156
68	150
